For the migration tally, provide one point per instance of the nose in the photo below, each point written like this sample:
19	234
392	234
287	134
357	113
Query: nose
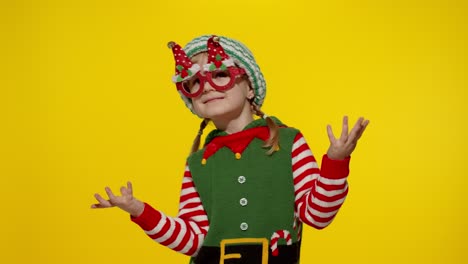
207	88
206	84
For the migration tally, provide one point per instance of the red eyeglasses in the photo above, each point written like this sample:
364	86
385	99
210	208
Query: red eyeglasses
218	79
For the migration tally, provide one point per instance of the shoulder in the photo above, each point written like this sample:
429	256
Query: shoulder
288	131
196	157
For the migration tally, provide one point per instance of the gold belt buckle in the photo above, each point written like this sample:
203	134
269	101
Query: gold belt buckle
226	242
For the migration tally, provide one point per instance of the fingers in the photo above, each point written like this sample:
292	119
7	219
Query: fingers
113	199
358	129
347	142
127	191
130	188
103	203
331	137
363	127
99	206
110	193
344	131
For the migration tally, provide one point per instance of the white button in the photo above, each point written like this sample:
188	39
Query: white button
243	202
244	226
241	179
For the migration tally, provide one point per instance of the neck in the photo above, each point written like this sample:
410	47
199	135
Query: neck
234	124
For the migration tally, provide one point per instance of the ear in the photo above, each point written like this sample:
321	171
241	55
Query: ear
250	93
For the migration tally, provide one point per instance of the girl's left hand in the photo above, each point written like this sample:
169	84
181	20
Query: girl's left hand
343	147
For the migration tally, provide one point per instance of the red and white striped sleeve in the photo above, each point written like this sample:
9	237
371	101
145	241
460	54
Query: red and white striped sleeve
184	233
319	193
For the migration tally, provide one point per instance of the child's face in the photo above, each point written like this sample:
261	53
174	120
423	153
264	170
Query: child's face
221	105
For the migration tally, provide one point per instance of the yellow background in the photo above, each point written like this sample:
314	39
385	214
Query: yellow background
86	101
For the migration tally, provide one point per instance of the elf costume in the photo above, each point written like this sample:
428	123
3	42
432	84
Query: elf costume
238	204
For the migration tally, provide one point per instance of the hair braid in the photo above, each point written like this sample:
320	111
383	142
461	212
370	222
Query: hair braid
273	141
196	141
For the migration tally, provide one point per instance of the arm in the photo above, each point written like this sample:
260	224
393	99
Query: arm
184	233
319	194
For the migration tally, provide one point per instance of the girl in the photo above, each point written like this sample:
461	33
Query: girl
247	192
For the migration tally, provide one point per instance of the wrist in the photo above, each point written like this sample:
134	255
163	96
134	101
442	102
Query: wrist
136	208
334	156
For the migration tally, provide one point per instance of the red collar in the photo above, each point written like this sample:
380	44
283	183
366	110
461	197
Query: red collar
236	142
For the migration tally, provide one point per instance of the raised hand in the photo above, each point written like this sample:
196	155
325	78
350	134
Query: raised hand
345	145
125	201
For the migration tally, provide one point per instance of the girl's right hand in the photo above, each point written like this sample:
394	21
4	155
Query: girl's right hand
125	202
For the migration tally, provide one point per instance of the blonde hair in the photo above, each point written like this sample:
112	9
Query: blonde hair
196	141
273	141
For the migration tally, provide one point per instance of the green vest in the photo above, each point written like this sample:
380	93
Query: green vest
247	197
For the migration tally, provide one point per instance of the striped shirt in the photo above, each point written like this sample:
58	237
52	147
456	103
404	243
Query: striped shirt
319	193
